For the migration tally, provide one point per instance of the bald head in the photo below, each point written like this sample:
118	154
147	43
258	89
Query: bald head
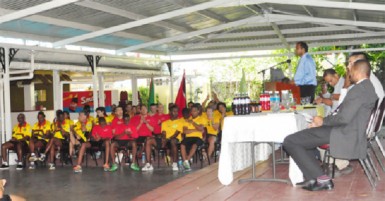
360	70
355	57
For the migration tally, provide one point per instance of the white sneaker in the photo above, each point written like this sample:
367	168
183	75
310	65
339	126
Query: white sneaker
33	158
51	166
42	157
186	165
175	167
148	167
32	166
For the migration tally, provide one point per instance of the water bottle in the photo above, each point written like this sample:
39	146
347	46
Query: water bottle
143	158
180	163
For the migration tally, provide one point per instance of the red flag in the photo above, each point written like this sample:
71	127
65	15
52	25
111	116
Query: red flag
180	100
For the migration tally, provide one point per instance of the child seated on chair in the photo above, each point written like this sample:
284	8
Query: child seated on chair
101	135
21	135
61	130
124	135
171	131
40	133
82	132
193	128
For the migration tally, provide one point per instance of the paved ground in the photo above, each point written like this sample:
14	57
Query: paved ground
92	184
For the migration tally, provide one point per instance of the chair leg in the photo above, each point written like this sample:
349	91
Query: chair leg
158	158
368	175
377	156
333	168
86	158
380	146
371	163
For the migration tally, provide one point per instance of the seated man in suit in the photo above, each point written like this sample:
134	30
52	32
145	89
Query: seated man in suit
344	130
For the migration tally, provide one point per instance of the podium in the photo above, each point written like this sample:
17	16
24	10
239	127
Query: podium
279	86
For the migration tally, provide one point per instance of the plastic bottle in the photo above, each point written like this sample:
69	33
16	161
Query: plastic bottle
143	158
180	163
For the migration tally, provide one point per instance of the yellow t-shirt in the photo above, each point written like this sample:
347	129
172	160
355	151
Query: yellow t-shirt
79	131
19	132
108	120
209	125
198	120
38	128
223	118
171	126
57	133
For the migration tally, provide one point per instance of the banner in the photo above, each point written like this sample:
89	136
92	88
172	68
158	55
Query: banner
74	101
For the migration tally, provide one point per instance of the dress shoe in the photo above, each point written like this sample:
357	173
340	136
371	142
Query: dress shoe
337	173
328	185
310	182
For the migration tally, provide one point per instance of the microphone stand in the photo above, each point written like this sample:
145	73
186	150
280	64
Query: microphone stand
264	72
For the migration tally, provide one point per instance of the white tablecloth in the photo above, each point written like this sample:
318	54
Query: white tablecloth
270	127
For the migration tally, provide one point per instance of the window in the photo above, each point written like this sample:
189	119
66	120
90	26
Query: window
41	95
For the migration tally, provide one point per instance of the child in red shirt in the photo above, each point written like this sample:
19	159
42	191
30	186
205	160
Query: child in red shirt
101	134
124	134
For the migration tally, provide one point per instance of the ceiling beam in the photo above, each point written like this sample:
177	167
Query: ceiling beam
281	46
34	9
289	40
277	55
327	20
315	3
129	15
283	31
76	25
194	33
205	13
141	22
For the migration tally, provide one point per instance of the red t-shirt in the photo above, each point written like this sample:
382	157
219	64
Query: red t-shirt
160	118
119	127
143	131
104	133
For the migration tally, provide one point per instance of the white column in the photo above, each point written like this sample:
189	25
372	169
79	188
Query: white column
171	85
29	97
134	85
94	85
2	139
57	90
7	98
102	97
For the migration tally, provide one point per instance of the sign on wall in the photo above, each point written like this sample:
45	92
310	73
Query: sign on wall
74	101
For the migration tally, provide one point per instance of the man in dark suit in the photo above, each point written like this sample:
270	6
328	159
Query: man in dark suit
344	130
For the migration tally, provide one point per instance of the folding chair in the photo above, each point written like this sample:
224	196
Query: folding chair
367	162
375	139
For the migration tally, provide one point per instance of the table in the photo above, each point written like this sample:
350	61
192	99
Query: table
241	133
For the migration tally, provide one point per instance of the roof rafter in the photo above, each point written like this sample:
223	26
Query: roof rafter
34	9
280	46
315	3
195	33
289	40
129	15
141	22
205	13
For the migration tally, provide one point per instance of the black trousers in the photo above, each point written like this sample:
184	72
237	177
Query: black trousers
307	90
301	146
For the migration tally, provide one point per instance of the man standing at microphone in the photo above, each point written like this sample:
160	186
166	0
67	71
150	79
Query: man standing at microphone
305	76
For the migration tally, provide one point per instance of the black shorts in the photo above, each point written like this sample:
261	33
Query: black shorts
122	143
158	140
42	141
141	139
189	141
24	145
168	142
96	143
